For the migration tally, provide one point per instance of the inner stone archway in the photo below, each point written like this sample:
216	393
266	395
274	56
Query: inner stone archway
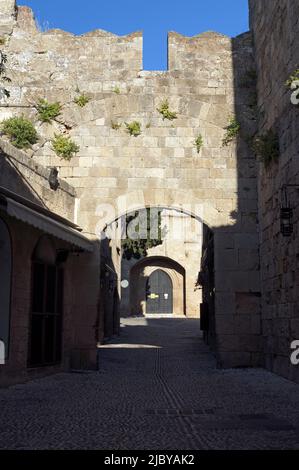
140	275
178	254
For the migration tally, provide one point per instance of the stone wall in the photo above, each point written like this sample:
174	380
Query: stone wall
78	350
161	167
7	16
275	27
29	179
81	325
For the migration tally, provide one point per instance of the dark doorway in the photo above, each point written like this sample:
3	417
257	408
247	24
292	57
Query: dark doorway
5	284
46	315
159	293
115	313
207	281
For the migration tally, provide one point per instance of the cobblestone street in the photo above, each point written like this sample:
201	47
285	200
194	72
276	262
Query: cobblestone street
157	388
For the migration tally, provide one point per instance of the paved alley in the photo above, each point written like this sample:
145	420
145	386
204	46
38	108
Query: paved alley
157	388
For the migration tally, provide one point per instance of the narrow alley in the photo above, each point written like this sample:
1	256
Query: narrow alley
157	388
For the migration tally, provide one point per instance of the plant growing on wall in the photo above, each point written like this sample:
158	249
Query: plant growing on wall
198	142
294	77
116	90
253	101
249	79
266	147
82	100
165	111
20	131
115	125
137	248
232	131
133	128
47	112
3	77
64	147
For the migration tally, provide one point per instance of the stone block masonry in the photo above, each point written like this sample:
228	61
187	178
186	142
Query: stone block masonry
275	27
29	179
162	165
7	16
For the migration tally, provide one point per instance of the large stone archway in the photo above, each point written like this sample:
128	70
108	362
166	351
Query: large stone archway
161	167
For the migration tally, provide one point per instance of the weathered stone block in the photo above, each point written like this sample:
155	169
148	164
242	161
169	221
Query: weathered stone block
248	303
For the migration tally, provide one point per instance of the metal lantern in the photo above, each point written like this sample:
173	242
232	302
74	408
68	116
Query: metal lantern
286	225
286	213
53	179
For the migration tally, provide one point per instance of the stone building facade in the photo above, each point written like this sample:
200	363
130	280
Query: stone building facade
275	27
38	228
208	81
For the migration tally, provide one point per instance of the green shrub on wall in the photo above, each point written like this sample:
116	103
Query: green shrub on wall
3	77
47	112
232	131
20	131
198	142
64	147
165	111
82	100
133	128
266	147
294	77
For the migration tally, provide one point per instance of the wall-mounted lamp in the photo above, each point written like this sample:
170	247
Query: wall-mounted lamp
286	221
286	212
53	179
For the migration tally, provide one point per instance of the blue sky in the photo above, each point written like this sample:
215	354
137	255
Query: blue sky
154	17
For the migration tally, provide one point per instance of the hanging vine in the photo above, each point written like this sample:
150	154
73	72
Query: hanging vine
3	77
138	246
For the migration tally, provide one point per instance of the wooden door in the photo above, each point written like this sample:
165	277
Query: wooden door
159	293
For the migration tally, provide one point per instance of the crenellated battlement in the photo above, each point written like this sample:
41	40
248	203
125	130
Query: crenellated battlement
121	53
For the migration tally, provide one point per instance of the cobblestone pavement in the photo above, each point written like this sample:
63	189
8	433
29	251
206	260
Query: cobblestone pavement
157	388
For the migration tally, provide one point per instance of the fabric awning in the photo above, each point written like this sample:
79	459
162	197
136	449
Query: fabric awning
47	222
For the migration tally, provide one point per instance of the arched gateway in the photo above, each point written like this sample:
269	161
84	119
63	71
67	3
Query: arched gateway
182	161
